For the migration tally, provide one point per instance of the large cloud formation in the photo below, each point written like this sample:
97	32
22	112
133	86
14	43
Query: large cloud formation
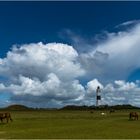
43	72
115	57
50	75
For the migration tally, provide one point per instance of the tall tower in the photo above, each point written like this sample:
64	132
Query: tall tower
98	97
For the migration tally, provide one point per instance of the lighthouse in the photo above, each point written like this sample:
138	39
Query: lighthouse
98	97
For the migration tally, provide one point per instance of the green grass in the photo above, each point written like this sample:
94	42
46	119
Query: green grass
70	124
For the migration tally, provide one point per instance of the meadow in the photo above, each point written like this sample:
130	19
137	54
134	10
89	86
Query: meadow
66	124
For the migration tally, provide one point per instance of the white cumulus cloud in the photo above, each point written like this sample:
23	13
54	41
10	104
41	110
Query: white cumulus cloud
38	60
44	73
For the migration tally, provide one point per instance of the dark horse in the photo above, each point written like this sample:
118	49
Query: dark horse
6	116
133	116
111	111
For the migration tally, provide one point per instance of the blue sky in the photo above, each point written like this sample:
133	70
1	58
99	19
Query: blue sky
92	43
25	22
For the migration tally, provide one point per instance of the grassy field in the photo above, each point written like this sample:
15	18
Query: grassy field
70	124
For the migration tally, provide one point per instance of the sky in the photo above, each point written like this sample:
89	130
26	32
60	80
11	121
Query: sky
56	53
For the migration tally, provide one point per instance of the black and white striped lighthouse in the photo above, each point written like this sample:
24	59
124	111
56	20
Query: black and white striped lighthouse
98	97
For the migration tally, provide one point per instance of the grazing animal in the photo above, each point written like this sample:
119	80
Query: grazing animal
112	111
91	112
133	116
103	113
6	116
